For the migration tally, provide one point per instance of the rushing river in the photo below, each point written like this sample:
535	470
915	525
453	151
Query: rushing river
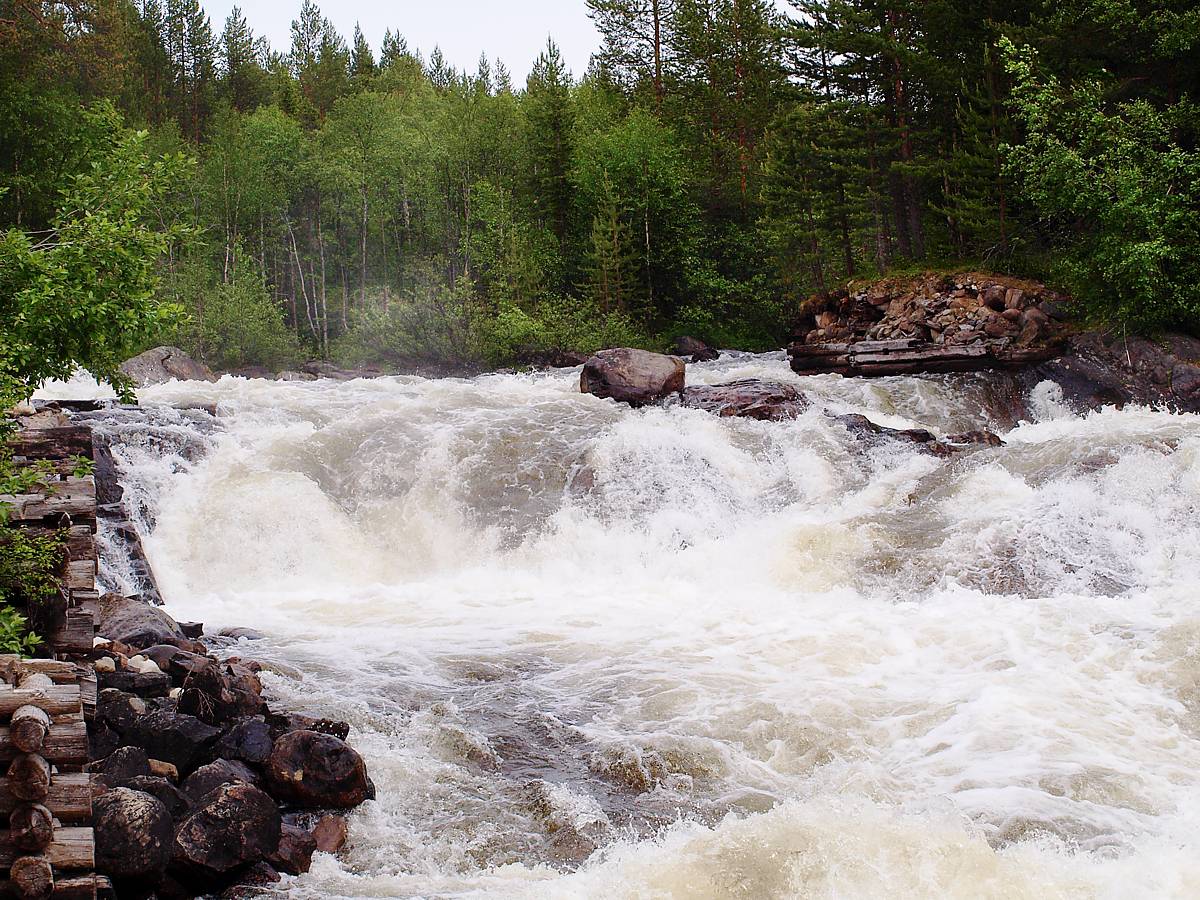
597	652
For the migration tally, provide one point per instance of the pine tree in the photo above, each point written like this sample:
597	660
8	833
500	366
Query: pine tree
549	117
362	60
638	40
611	260
393	49
241	59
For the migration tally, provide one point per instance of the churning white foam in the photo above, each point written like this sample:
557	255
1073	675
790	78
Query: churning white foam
594	651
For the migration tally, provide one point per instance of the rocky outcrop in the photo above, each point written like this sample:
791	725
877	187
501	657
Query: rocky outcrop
750	399
636	377
163	364
934	323
136	623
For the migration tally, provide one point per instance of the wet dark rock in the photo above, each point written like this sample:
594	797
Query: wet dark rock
926	441
121	766
102	740
218	693
136	623
144	684
295	851
331	833
163	364
118	710
552	359
234	825
133	833
209	777
193	630
750	399
317	770
248	740
166	793
636	377
281	724
976	438
177	738
248	634
695	349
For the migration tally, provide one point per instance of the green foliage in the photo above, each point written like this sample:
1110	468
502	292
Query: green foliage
83	295
1116	176
30	577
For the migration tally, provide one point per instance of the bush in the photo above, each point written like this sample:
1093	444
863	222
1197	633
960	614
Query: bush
514	335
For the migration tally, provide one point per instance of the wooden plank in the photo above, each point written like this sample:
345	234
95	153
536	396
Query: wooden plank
11	666
70	798
76	634
73	849
81	574
52	443
73	497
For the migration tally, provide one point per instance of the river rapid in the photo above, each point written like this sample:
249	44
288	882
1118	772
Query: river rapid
591	651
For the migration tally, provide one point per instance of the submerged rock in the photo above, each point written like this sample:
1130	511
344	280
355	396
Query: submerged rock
163	364
926	441
636	377
295	851
750	399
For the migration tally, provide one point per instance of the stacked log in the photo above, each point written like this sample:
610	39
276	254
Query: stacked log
48	849
65	503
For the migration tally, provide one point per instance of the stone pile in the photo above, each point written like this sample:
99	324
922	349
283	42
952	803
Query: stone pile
200	785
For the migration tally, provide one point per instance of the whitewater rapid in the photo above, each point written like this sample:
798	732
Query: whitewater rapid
590	651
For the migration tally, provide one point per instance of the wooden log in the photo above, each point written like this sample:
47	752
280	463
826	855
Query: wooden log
12	667
76	634
29	727
29	778
81	574
71	497
65	745
70	798
54	699
31	827
82	887
32	877
73	849
52	443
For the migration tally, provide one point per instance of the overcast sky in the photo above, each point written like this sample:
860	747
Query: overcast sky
512	30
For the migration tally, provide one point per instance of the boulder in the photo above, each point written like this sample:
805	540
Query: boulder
163	364
172	799
331	833
248	740
282	724
136	623
119	710
218	693
750	399
207	779
176	738
144	684
636	377
317	771
121	766
234	825
695	349
133	833
295	851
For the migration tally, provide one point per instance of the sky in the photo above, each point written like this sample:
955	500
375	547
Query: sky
514	31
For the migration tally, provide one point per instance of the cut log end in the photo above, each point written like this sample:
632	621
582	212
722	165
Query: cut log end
29	727
32	877
29	778
31	827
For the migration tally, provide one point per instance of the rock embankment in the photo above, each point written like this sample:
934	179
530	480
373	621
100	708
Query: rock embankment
200	785
934	323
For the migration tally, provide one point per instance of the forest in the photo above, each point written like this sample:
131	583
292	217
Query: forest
168	179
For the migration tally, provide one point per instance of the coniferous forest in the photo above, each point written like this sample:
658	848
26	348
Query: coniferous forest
719	162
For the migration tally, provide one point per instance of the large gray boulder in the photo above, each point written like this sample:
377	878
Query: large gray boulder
163	364
136	623
636	377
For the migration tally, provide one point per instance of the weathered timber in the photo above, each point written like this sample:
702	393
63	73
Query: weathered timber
55	699
32	877
77	633
73	849
52	443
71	497
13	668
82	887
28	728
69	799
65	745
31	827
908	357
29	778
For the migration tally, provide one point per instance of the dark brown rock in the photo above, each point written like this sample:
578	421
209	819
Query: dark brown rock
249	741
695	349
295	851
281	724
636	377
317	770
122	765
176	738
143	684
750	399
172	799
235	825
133	834
193	630
208	778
